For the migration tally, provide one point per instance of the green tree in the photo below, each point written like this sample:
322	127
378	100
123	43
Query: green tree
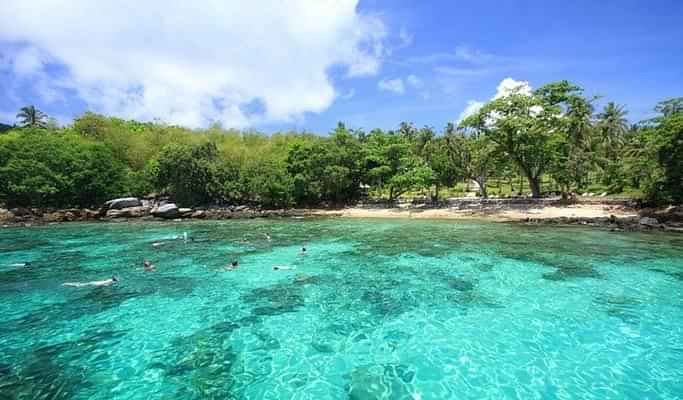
189	173
521	128
473	156
56	170
31	117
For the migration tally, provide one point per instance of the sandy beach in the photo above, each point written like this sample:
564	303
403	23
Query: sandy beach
493	213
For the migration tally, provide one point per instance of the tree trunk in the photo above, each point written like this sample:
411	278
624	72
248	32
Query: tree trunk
535	186
482	188
436	194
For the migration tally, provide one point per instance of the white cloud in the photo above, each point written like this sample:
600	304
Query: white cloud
509	86
506	87
191	63
473	106
414	81
392	85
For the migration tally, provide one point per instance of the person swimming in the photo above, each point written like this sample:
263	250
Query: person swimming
106	282
233	265
24	264
148	266
282	267
267	236
303	251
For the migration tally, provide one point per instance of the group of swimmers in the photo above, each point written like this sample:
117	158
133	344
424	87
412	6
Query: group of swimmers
149	267
235	264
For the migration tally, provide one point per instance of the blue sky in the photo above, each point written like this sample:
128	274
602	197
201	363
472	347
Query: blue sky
372	64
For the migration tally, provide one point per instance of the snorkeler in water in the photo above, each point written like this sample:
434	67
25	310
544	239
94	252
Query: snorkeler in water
148	266
24	264
106	282
282	268
233	265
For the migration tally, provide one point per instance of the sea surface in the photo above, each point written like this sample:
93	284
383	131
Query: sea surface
376	309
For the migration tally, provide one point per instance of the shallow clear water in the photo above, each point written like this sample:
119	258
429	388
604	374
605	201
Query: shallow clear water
387	309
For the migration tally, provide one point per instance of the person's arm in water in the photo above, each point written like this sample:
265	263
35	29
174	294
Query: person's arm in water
106	282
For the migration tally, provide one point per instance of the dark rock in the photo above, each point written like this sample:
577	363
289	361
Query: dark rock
648	221
169	210
21	212
90	214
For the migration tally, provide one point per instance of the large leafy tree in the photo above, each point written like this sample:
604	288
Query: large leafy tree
653	155
522	128
31	117
571	130
57	170
473	156
193	174
327	169
392	164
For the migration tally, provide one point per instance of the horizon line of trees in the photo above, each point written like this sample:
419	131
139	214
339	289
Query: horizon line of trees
551	138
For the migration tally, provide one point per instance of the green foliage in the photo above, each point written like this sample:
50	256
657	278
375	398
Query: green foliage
473	156
550	137
326	169
50	169
193	174
31	117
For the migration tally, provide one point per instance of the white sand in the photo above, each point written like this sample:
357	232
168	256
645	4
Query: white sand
511	213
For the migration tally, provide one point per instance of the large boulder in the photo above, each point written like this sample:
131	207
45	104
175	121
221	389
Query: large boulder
128	212
57	216
648	221
125	202
6	215
169	210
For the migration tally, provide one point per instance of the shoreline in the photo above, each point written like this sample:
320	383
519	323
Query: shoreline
617	216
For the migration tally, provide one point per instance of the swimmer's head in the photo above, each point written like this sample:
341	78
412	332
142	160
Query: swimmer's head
303	249
146	263
234	263
114	278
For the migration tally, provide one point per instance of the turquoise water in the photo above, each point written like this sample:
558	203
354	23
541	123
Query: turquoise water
377	309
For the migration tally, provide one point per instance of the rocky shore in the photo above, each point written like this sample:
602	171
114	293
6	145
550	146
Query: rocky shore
131	208
620	215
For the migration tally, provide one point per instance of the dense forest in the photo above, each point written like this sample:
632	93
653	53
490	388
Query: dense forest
549	140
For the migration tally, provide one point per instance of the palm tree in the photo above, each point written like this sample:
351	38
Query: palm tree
613	125
30	116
